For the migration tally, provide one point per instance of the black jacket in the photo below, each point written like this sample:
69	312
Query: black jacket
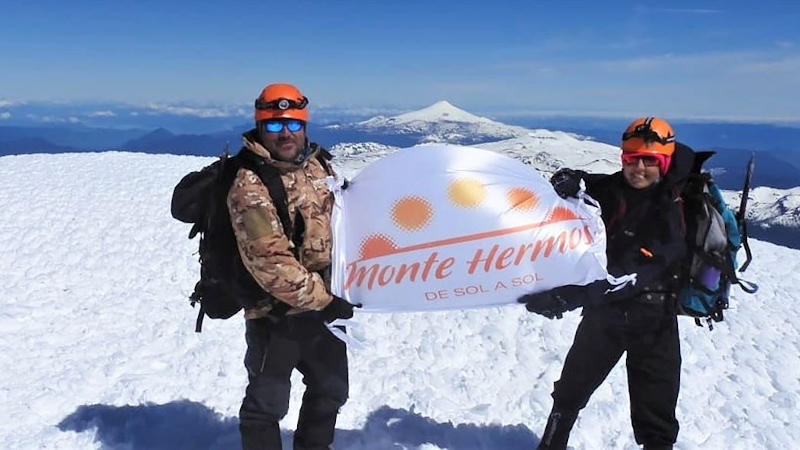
645	235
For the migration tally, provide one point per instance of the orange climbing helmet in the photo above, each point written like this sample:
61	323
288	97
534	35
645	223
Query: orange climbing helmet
281	100
649	135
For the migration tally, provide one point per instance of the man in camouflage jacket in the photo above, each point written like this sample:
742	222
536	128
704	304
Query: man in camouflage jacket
287	330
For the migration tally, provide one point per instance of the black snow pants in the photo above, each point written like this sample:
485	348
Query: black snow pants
274	349
653	364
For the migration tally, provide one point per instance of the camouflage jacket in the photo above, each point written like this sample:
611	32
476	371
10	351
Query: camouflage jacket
266	251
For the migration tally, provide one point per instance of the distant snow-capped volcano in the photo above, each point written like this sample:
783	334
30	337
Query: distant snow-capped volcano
440	122
441	111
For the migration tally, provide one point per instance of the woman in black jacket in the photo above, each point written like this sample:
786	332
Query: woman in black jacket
645	235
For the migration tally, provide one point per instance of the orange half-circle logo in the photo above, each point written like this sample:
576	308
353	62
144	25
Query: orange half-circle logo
377	245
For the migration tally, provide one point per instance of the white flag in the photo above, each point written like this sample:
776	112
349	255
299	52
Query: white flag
440	226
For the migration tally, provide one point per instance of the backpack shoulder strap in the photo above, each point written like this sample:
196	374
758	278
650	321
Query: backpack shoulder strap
271	177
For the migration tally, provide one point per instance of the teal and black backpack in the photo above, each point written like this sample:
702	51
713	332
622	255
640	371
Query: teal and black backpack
714	235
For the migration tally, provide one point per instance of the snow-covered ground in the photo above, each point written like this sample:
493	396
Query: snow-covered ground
98	350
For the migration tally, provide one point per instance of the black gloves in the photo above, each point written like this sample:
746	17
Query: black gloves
566	182
339	308
551	304
555	302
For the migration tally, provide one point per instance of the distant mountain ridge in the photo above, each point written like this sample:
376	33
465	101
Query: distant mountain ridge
772	214
68	137
439	122
25	145
164	141
728	167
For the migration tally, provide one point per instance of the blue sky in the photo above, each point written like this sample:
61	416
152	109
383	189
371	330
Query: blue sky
726	59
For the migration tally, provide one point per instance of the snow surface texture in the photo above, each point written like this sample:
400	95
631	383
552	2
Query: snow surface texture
98	350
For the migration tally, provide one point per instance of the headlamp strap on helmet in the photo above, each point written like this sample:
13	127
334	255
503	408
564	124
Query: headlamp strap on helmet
281	104
645	132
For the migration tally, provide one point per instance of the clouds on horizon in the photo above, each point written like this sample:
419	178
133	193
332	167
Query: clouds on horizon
123	114
202	112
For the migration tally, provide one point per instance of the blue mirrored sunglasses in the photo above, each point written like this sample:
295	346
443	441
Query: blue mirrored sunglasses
276	126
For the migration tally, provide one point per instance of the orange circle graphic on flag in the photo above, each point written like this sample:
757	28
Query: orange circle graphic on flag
377	245
412	213
522	198
466	192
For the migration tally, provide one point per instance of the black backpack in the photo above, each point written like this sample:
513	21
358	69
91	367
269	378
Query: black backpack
200	198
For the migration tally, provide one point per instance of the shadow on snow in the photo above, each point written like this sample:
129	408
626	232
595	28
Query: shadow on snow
190	425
